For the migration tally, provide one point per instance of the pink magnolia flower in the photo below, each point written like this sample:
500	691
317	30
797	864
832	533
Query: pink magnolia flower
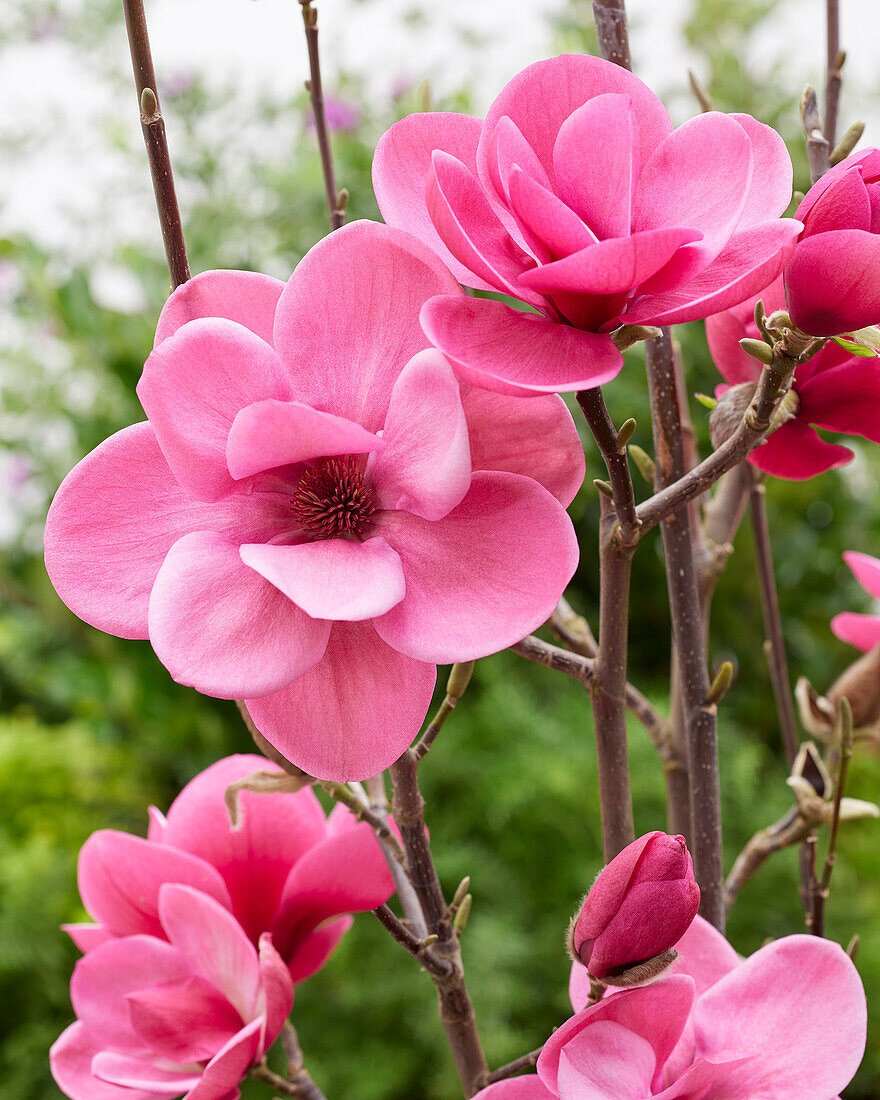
833	390
284	869
316	515
577	197
189	1012
640	906
861	631
716	1027
833	279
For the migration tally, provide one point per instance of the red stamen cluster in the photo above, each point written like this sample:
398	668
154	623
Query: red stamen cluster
333	499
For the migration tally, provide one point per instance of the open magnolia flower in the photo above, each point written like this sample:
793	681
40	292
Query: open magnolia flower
187	1013
315	515
833	390
859	630
789	1022
577	197
285	868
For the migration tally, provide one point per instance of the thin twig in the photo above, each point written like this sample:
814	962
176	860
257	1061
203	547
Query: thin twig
419	949
592	404
153	127
790	829
526	1061
820	894
457	684
818	147
336	200
301	1085
611	30
834	59
341	792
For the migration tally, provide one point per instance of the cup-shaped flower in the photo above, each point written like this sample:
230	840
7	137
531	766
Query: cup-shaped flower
834	390
854	628
316	515
285	868
788	1022
832	280
576	196
187	1013
638	908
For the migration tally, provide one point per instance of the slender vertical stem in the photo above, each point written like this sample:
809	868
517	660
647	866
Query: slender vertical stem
153	127
820	892
611	29
335	199
832	70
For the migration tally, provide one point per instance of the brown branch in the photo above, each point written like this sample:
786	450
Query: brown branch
299	1085
818	147
341	792
418	948
611	29
820	893
526	1061
592	404
153	127
789	830
336	200
834	59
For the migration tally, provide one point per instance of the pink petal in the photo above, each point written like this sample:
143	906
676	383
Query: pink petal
866	571
225	1071
142	1073
194	384
347	323
706	1078
254	858
401	165
724	332
551	228
277	988
770	188
796	452
219	627
86	937
778	1005
71	1059
845	398
355	712
314	951
333	578
119	876
245	297
593	163
186	1020
704	954
277	433
213	943
861	631
537	438
846	205
508	149
527	1087
833	282
579	986
520	354
425	466
606	1061
484	576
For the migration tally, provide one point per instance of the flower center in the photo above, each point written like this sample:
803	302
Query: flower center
333	499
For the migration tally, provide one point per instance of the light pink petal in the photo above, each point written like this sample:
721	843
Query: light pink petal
277	433
779	1004
537	438
355	712
484	576
71	1059
846	205
593	163
193	385
245	297
314	951
796	452
333	578
724	332
606	1061
401	165
213	943
861	631
833	282
348	320
845	398
541	98
520	354
704	954
225	1071
219	627
86	937
186	1020
277	990
527	1087
119	876
770	189
254	858
866	570
425	466
142	1073
551	228
709	1077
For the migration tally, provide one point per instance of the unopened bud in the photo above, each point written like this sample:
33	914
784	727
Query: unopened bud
459	921
758	350
459	678
459	894
627	431
721	684
847	143
604	487
644	463
149	104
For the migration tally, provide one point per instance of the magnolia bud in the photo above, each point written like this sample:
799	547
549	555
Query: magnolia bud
639	907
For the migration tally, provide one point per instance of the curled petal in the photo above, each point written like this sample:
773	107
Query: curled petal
866	571
245	297
861	631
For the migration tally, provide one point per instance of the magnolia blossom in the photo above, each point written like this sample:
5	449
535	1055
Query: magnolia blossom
187	1011
861	631
577	197
789	1022
284	868
833	279
316	515
833	390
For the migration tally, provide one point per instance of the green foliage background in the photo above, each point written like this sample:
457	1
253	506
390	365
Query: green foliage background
92	729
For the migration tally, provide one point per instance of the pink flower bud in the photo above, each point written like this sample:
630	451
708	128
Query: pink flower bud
641	904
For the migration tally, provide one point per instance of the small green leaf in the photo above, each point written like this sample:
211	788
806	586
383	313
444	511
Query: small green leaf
853	348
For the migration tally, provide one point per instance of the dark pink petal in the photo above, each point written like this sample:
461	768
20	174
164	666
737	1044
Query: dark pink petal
796	452
606	1061
724	332
277	990
833	282
869	163
537	438
86	937
541	98
846	205
778	1005
704	954
227	1068
401	165
119	876
355	712
770	188
527	1087
193	385
551	228
245	297
425	466
861	631
484	576
314	951
221	628
71	1061
254	858
593	163
142	1073
520	354
187	1020
333	578
348	320
280	433
866	570
845	398
508	149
